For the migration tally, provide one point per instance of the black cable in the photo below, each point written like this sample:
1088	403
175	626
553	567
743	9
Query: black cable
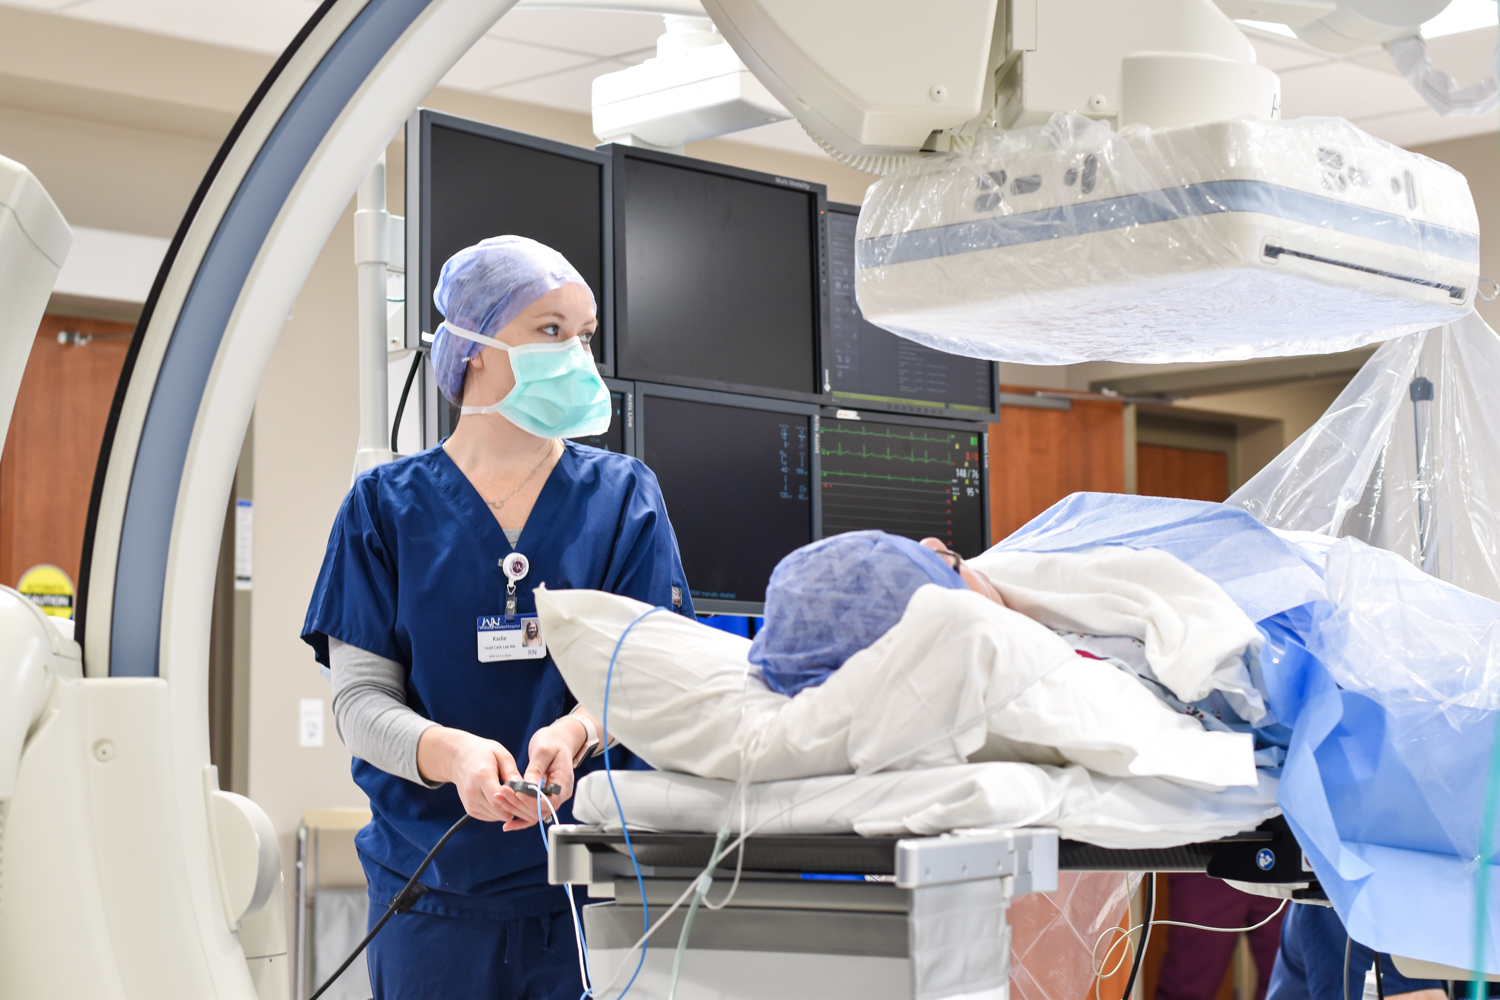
404	900
1348	944
416	362
1379	979
1148	907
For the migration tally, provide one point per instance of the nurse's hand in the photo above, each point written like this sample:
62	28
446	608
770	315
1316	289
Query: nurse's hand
478	767
549	761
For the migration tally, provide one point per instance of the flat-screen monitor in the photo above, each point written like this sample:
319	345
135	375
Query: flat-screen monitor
737	474
917	479
719	276
875	369
467	181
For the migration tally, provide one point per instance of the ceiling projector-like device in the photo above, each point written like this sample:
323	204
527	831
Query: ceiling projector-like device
1074	180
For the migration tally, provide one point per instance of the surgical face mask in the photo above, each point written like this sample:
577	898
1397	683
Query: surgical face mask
558	390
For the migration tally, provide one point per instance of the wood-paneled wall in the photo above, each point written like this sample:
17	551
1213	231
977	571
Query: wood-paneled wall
53	446
1189	473
1039	456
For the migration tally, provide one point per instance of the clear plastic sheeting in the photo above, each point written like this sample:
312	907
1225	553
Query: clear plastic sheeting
1406	459
1069	242
1385	684
1054	942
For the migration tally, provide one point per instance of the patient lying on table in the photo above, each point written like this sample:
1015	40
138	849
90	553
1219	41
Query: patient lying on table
829	600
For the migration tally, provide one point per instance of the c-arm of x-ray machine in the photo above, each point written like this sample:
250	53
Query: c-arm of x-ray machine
124	870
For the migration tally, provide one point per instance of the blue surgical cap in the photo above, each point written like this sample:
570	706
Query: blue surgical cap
485	286
828	600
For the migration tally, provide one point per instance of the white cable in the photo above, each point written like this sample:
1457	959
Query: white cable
1117	929
583	955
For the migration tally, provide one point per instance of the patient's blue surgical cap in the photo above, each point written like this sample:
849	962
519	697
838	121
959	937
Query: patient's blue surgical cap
485	286
828	600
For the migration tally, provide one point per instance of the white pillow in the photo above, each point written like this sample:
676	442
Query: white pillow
928	693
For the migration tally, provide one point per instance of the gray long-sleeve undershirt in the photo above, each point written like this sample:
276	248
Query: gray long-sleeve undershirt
370	710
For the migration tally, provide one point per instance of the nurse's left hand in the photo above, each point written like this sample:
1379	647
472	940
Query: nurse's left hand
550	761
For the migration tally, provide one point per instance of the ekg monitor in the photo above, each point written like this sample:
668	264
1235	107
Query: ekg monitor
719	276
875	369
467	181
911	479
738	476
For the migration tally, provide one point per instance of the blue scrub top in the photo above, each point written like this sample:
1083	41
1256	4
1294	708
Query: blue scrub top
412	563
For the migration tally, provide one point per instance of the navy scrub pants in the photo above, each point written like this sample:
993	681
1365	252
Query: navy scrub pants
456	958
1310	965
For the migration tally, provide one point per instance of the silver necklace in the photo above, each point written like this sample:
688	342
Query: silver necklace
498	504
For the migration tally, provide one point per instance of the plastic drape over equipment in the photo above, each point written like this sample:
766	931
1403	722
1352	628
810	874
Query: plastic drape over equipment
1055	937
1070	242
1407	459
1383	684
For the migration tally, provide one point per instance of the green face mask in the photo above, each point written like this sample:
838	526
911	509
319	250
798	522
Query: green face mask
558	390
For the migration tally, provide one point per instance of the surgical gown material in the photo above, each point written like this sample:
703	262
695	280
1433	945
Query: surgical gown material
412	563
829	600
1388	684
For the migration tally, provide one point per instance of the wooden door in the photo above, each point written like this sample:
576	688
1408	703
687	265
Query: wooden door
1188	473
47	470
1039	456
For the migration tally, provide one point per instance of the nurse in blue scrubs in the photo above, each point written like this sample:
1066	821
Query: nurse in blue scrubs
424	613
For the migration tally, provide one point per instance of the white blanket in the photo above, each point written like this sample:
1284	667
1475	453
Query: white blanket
1195	635
958	679
1137	813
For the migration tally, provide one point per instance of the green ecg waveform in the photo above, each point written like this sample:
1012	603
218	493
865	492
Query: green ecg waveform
898	479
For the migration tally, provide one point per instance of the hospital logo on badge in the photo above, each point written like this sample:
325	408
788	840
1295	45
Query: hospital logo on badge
1265	859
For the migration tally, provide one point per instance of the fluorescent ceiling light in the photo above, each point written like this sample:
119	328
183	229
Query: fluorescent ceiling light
1461	15
1281	29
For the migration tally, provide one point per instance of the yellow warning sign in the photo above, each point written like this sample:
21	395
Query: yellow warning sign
50	589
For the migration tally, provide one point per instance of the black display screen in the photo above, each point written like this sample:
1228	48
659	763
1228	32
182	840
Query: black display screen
721	282
614	438
481	186
876	368
738	488
914	481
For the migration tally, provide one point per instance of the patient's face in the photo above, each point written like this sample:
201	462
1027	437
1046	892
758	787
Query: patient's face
976	581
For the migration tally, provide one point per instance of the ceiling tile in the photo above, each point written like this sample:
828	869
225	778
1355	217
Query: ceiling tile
262	26
1284	53
592	32
570	90
494	62
37	4
788	135
1344	90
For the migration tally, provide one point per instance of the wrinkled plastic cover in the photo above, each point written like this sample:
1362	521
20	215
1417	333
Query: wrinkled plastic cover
1407	459
1419	477
1069	242
1053	935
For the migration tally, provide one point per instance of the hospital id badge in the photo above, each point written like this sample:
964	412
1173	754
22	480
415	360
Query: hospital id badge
518	638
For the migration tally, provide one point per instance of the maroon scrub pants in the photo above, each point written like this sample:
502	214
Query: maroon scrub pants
1194	964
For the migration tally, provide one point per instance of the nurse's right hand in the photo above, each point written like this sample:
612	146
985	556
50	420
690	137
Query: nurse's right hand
478	767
